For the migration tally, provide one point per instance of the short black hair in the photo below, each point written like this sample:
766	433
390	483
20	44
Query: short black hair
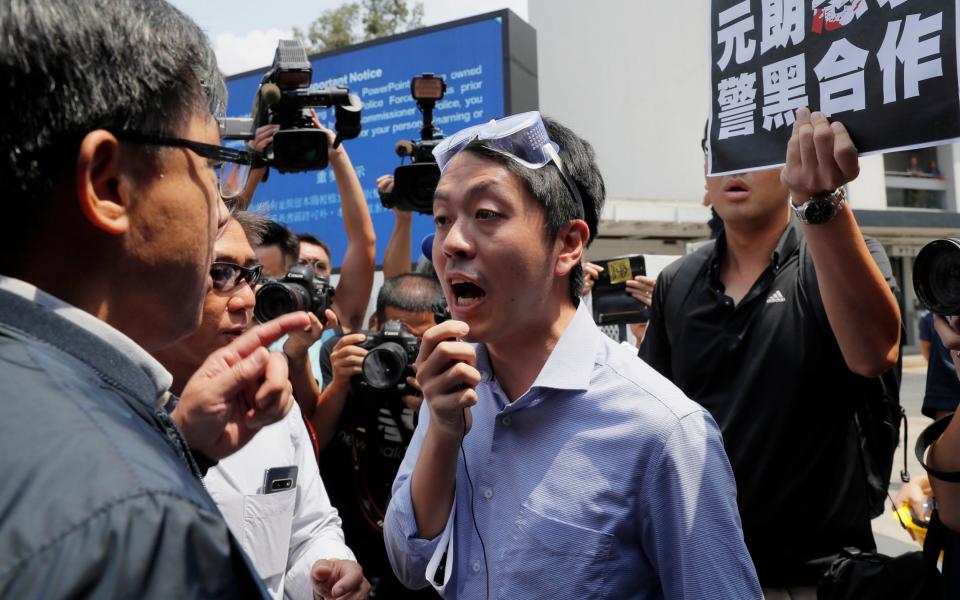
73	66
312	239
278	235
412	292
548	187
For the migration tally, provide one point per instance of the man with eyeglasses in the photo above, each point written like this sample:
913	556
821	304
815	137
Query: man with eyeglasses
549	461
269	492
109	164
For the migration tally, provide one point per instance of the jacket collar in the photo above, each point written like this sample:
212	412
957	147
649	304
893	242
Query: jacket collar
118	359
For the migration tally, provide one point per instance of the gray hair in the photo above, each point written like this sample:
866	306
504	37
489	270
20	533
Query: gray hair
72	66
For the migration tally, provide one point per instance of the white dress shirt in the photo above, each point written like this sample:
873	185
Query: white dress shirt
284	533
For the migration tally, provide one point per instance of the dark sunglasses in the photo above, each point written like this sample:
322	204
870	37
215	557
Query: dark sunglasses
227	276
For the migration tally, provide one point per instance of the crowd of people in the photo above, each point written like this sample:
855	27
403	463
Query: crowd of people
157	441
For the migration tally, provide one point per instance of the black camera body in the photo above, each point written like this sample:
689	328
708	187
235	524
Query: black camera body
936	276
390	356
300	289
414	183
284	98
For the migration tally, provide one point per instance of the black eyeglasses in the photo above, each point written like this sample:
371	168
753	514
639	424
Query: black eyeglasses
234	165
318	266
227	276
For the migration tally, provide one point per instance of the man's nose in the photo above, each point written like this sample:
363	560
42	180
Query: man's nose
242	299
457	241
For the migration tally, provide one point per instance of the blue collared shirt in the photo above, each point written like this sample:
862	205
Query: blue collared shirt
601	481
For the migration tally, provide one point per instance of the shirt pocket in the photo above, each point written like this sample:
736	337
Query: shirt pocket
267	522
549	558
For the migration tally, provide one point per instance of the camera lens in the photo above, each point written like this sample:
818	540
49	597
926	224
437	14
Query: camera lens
384	366
278	298
936	276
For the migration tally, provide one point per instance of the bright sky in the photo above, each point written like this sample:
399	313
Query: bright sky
244	33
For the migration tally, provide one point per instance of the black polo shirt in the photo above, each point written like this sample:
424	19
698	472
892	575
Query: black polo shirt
771	373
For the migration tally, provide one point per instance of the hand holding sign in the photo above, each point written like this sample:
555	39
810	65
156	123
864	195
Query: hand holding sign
821	157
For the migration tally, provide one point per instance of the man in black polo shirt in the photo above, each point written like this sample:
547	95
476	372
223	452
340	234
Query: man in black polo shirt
776	332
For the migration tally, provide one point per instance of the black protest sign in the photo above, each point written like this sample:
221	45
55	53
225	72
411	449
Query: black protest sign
887	69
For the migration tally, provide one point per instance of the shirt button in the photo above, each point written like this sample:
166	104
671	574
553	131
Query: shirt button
487	493
476	566
506	421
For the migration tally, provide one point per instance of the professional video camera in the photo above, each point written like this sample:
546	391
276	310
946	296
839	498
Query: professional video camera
299	289
284	99
387	365
414	183
936	276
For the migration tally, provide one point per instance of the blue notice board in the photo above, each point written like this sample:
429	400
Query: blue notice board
470	57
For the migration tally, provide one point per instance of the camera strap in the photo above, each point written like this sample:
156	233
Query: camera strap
926	439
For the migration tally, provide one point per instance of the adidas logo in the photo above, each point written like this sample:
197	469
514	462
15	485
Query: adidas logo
775	297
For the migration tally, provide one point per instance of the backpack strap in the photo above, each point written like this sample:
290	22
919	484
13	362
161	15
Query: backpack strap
926	438
689	270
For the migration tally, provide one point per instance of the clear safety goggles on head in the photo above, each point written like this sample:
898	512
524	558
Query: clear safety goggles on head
521	137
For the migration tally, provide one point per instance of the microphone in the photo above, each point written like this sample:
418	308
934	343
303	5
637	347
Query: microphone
426	247
270	94
404	148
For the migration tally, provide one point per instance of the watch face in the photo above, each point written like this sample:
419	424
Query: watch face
819	211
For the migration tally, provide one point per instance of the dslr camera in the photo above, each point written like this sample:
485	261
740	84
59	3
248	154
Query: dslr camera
414	183
300	289
284	98
390	354
936	276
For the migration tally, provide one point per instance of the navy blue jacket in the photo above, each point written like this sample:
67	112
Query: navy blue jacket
99	495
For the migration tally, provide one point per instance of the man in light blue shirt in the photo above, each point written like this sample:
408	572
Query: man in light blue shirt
551	463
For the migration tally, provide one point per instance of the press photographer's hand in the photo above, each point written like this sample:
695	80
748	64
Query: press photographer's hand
447	374
298	342
332	152
346	359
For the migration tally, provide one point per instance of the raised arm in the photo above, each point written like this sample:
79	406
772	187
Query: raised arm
356	270
396	258
859	303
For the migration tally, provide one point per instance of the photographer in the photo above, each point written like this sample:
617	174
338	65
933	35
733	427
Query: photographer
112	202
290	531
780	329
364	432
359	262
548	461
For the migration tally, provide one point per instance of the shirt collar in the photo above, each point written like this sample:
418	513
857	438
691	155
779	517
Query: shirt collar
570	364
786	246
154	371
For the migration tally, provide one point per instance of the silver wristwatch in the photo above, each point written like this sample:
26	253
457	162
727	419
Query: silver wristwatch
820	209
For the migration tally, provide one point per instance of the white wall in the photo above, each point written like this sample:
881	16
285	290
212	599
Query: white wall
631	77
869	189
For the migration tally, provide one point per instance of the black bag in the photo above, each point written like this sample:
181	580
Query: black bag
856	575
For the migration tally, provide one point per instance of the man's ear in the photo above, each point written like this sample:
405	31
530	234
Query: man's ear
571	241
100	192
374	323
